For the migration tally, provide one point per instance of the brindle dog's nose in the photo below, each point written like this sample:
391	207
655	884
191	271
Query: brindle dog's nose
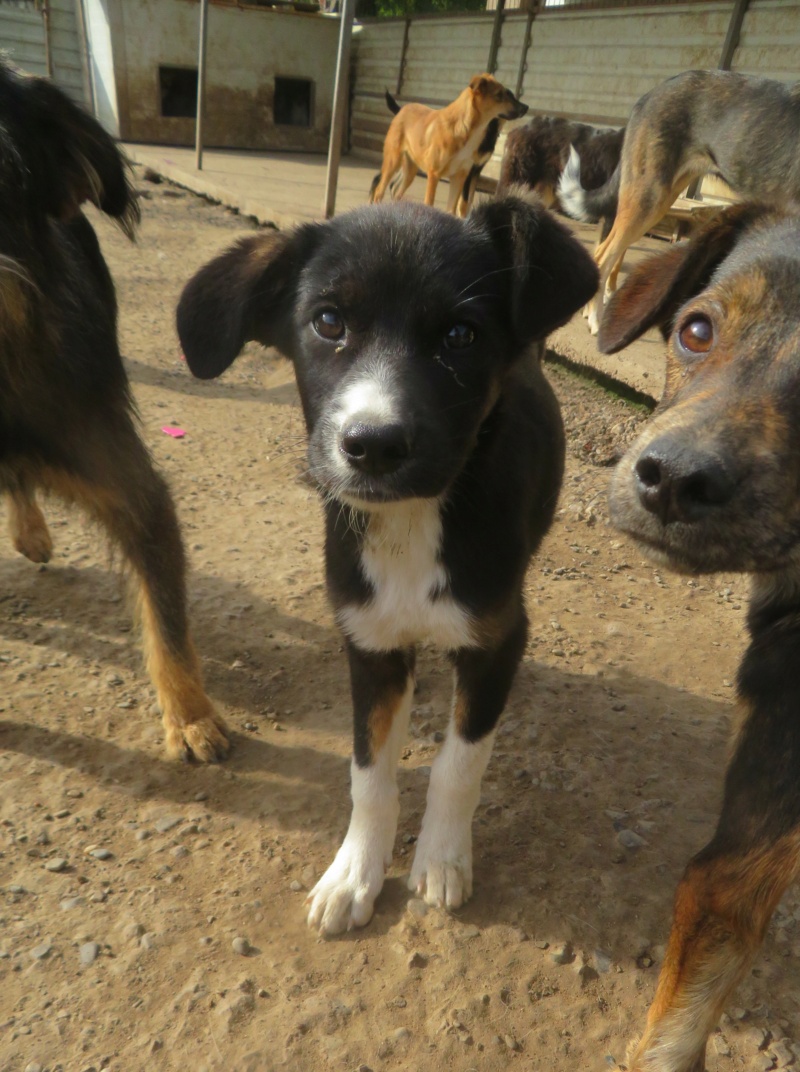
679	483
376	449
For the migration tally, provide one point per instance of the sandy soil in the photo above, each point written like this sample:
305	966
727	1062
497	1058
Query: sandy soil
618	721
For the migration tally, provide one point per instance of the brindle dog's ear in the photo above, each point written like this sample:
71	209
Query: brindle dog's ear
246	293
656	289
550	273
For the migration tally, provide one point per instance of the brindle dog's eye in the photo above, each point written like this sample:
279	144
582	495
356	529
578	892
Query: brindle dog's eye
329	325
459	337
697	335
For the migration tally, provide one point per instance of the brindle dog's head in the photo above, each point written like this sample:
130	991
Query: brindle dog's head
713	483
493	100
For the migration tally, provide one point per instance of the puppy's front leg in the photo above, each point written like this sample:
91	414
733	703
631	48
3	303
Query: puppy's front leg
442	869
382	684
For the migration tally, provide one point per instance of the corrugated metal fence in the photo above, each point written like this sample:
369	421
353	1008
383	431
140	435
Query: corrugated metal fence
23	41
587	63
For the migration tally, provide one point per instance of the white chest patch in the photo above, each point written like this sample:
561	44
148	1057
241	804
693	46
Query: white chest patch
463	158
400	558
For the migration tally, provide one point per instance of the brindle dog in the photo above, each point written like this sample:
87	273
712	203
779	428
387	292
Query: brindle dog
712	484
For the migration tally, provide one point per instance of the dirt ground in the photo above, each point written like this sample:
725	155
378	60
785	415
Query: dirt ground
618	722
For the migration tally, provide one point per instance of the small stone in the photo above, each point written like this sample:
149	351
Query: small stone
133	932
470	931
74	794
142	835
511	1043
563	954
783	1052
629	839
64	813
34	1066
765	1062
39	952
98	852
202	795
148	940
721	1045
417	908
417	960
72	902
180	851
167	822
241	946
295	886
88	953
602	961
17	889
58	864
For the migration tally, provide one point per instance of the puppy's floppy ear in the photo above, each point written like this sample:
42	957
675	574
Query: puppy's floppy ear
655	289
246	293
67	156
550	273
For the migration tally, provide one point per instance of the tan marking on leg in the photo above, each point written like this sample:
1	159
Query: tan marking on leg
722	909
28	528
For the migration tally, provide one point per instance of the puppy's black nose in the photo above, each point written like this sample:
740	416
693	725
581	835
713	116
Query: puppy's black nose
376	449
677	483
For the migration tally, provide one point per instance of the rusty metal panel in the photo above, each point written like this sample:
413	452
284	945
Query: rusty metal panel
769	44
596	64
68	72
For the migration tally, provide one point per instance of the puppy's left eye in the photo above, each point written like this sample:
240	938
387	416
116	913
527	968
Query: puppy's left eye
329	324
697	335
459	337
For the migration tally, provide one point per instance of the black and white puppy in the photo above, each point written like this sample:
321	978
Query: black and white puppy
416	339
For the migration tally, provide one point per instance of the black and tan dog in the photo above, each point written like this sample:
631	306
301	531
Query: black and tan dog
443	142
437	446
67	423
712	484
537	154
744	129
480	158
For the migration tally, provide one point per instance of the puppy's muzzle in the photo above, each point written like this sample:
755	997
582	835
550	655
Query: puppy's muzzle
516	111
374	449
680	483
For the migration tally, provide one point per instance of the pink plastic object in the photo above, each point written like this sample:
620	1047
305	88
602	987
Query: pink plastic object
176	433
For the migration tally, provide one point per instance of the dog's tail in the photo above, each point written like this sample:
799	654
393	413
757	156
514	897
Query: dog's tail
587	205
391	103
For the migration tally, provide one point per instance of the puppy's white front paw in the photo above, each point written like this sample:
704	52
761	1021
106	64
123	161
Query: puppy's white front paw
594	321
442	868
344	897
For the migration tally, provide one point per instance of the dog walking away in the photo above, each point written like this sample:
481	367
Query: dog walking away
443	142
710	485
743	129
480	158
437	446
538	155
66	415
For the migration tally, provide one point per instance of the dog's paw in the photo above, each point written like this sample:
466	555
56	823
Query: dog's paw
344	898
206	739
442	871
594	321
30	535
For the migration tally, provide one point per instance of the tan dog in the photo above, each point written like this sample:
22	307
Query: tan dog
442	141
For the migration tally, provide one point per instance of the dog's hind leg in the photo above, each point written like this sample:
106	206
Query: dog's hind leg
729	891
407	176
442	868
115	480
455	191
26	523
430	188
382	685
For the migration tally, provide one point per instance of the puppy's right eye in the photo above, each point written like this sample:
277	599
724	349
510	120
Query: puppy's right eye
696	336
329	325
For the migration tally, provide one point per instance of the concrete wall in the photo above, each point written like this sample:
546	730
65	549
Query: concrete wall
247	48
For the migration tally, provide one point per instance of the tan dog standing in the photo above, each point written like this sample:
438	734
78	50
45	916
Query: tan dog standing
442	141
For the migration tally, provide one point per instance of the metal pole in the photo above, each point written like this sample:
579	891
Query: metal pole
339	107
201	86
494	46
48	40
